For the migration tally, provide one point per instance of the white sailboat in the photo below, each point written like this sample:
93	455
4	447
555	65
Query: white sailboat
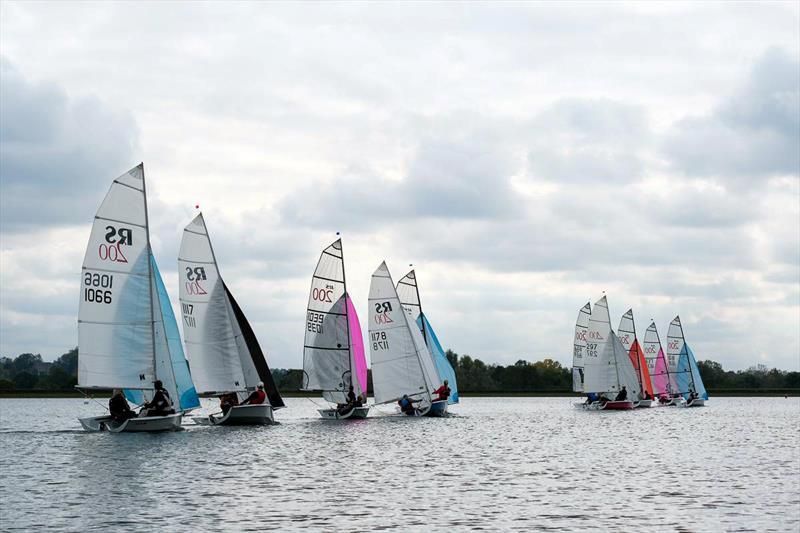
683	365
401	362
579	346
225	355
122	334
607	366
333	352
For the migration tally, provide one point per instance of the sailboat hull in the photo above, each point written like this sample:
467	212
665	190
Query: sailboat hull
697	402
644	403
245	415
354	414
437	409
609	406
148	424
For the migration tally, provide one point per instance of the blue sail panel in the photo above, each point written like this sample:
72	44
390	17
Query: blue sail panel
439	358
700	388
688	377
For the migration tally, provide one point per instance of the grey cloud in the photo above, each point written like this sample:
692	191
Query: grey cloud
695	208
58	153
754	134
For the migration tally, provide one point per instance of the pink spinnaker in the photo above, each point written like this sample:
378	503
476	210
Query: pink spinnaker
660	376
357	345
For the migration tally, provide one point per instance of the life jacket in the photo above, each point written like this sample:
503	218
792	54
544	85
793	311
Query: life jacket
261	396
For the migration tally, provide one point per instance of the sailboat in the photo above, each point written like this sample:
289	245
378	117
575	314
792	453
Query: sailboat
607	366
663	381
687	375
408	292
126	330
401	362
627	336
333	352
225	355
579	346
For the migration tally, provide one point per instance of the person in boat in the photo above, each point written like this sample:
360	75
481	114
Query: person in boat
407	405
622	395
226	401
257	397
360	401
692	396
119	408
591	397
443	392
160	405
602	400
344	408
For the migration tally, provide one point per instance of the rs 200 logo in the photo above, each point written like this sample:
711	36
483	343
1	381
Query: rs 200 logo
195	275
115	238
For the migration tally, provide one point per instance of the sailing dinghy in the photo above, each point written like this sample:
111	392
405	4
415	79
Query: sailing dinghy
225	355
627	336
401	362
607	366
123	331
333	352
579	346
408	292
663	381
687	375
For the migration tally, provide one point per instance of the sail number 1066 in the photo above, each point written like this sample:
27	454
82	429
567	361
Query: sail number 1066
379	340
97	287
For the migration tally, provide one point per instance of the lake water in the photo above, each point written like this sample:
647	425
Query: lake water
497	464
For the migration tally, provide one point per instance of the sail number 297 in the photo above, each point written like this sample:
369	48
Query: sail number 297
97	287
379	340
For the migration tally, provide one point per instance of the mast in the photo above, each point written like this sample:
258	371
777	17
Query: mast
150	273
347	321
419	301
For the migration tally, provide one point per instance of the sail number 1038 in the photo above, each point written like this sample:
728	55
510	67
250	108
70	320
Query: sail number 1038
97	287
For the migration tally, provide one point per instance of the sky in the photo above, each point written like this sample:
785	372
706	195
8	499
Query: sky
524	157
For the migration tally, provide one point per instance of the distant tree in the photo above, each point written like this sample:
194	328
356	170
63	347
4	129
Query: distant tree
25	380
6	384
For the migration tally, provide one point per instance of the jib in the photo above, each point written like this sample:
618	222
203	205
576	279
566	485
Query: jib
383	307
119	236
196	273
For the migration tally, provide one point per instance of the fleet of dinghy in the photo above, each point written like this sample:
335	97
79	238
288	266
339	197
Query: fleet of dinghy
333	352
408	292
126	340
402	365
225	356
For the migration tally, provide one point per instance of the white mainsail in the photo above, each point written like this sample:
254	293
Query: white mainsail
579	346
401	362
116	315
216	349
607	366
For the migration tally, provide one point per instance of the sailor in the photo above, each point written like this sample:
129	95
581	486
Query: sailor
344	408
443	392
622	396
407	405
591	397
257	397
160	405
226	401
119	408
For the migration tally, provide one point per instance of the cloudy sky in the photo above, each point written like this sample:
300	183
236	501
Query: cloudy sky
524	157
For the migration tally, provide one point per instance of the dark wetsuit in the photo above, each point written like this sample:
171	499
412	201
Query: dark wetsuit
119	408
160	405
622	396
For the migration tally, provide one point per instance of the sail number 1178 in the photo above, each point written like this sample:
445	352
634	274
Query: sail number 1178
379	340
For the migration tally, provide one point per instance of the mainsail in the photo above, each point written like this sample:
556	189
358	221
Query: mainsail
627	336
579	346
223	350
607	366
127	334
333	346
687	374
401	362
656	363
408	293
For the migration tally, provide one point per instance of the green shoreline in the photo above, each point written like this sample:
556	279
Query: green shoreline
502	394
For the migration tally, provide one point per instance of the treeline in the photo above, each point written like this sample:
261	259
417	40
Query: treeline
28	371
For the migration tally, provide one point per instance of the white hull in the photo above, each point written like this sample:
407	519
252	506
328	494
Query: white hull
697	402
355	413
245	415
133	425
622	405
643	403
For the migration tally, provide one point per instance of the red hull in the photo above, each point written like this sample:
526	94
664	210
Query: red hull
619	405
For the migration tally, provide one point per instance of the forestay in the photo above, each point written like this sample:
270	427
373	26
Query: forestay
401	363
579	347
408	293
627	336
116	312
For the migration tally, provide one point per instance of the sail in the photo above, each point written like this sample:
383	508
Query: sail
115	315
607	366
579	346
627	336
443	366
408	293
357	355
656	362
675	343
396	364
627	376
689	378
326	351
207	322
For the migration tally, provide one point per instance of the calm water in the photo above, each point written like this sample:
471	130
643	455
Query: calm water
498	464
